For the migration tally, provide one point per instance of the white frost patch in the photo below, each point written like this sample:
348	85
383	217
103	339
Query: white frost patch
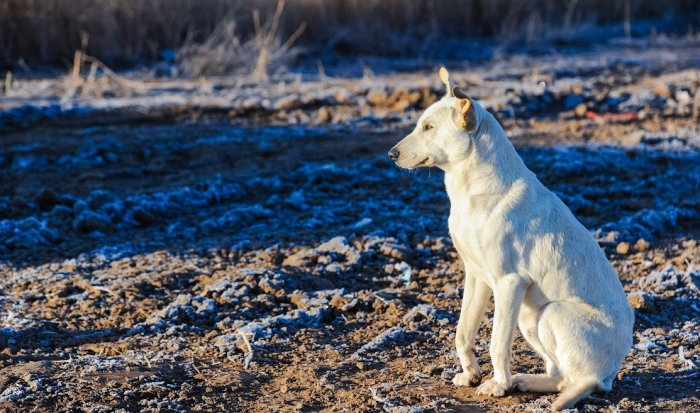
689	365
394	334
645	344
13	394
296	318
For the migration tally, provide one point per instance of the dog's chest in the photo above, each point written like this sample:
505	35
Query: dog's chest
465	234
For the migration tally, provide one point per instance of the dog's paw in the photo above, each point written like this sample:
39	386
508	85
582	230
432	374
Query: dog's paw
520	382
492	388
468	378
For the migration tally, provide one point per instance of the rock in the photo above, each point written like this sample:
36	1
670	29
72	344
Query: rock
234	294
622	248
287	102
143	217
580	110
691	281
271	286
46	200
342	96
362	223
252	103
99	197
612	236
639	300
641	245
61	212
302	258
690	244
23	241
397	251
401	106
662	90
79	206
204	306
377	97
660	281
324	115
89	221
66	200
340	246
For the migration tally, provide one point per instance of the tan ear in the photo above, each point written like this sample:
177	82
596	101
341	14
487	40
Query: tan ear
466	109
445	77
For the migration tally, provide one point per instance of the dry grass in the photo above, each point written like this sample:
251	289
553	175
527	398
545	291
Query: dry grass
129	31
223	52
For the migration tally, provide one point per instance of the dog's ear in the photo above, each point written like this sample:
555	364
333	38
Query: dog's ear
467	115
445	77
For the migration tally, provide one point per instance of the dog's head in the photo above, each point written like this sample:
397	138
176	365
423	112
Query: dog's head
443	133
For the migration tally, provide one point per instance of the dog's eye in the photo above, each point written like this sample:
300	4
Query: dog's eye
427	127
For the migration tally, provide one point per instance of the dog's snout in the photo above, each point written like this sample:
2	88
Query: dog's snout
394	154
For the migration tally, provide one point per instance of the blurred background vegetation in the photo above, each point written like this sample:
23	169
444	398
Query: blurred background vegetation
129	32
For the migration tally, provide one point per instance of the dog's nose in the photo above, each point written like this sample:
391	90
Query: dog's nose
394	154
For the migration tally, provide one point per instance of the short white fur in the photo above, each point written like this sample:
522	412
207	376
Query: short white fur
520	242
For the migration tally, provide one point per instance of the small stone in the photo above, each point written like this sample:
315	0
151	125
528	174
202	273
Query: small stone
283	389
324	115
662	90
271	286
342	96
286	103
612	236
690	244
623	248
401	106
302	258
641	245
580	110
89	221
143	217
61	212
46	200
639	300
397	251
377	97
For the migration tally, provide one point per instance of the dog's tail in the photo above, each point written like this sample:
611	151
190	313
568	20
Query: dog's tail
573	393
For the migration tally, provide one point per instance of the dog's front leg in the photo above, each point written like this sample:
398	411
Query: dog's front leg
476	295
508	295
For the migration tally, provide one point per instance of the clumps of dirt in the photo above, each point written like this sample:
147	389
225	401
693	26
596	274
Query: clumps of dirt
610	84
210	267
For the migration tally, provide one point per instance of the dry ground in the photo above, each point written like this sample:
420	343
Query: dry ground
211	266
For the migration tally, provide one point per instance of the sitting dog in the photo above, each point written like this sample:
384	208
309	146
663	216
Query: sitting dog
520	242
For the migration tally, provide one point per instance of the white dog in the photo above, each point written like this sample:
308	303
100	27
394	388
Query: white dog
519	241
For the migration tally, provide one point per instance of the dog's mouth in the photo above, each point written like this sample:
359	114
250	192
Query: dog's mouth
422	163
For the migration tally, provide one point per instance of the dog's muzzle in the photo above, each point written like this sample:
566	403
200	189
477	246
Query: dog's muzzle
394	154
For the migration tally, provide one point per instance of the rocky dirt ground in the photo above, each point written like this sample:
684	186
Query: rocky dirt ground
261	254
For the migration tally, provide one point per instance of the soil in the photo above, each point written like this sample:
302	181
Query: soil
239	263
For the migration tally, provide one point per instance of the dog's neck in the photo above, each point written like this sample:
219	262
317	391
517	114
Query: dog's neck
490	169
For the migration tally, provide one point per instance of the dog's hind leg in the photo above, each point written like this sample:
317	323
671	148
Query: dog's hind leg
537	383
476	295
